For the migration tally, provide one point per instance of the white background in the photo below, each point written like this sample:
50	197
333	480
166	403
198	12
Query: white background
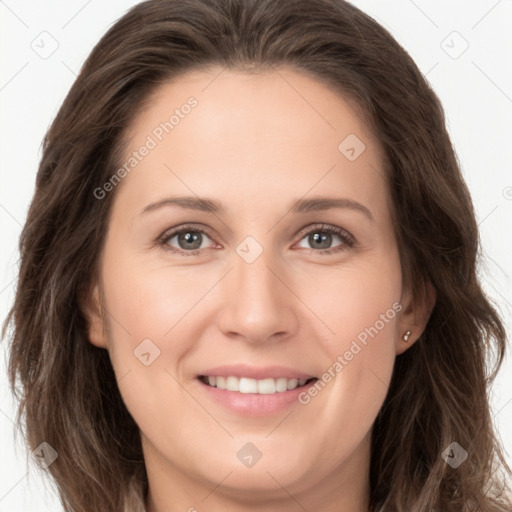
475	89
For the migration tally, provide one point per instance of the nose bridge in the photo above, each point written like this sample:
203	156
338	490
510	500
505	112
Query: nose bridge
255	277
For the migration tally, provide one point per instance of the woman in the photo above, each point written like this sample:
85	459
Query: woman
248	271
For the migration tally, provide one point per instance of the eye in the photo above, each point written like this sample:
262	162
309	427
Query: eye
189	239
321	236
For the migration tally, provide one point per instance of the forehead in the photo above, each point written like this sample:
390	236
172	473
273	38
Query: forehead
253	138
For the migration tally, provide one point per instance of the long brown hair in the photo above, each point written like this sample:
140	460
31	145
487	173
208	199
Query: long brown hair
67	390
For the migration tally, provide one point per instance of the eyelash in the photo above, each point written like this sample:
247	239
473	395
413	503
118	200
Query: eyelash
347	239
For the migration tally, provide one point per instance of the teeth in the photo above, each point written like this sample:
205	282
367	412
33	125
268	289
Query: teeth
246	385
232	384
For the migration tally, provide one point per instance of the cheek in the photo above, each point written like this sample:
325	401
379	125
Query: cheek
149	308
357	301
149	299
362	307
157	313
347	398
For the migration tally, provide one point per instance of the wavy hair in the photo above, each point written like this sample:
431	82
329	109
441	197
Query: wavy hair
66	388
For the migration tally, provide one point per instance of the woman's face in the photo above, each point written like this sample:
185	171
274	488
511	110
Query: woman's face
255	288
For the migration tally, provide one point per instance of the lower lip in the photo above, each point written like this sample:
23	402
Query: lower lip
254	404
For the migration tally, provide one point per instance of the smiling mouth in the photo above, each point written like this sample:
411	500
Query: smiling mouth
246	385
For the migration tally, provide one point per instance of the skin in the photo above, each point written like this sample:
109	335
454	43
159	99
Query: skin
256	143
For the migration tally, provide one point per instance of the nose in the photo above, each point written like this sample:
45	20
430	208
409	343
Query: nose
259	305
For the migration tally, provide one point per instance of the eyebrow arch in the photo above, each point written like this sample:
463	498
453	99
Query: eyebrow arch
188	203
300	206
316	204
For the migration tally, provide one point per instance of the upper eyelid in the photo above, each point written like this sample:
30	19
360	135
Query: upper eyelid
178	229
322	226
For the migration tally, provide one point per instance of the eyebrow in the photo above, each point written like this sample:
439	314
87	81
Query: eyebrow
313	204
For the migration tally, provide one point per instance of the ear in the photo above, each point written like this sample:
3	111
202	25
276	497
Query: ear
91	304
414	316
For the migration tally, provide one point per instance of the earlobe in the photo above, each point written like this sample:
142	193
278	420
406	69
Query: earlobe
91	306
415	317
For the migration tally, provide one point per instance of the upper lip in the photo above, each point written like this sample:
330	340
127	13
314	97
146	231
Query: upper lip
255	372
